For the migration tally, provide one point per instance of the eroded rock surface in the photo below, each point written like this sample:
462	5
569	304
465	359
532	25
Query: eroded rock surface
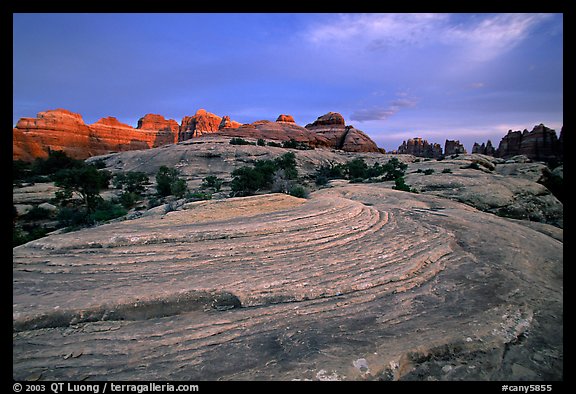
358	282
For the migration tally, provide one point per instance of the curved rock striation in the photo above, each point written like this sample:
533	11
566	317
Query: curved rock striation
359	282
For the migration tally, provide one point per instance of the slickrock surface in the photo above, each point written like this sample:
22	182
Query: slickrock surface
357	282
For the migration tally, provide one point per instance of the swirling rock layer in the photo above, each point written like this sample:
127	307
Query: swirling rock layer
359	282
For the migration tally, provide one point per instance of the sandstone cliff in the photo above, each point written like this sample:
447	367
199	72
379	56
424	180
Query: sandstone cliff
453	147
484	149
420	148
64	130
333	127
540	144
276	131
202	122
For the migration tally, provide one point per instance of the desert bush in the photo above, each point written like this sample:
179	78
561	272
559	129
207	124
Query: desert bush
169	183
198	196
298	191
293	144
131	181
446	171
264	173
356	168
78	217
213	182
56	161
240	141
247	181
261	142
400	184
37	213
86	181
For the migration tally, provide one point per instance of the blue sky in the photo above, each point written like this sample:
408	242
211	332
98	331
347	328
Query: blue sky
395	76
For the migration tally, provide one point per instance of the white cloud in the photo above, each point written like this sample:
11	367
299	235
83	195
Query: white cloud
479	37
493	35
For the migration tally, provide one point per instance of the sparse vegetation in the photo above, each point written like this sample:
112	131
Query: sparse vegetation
293	144
132	184
212	182
358	170
169	183
278	175
240	141
86	181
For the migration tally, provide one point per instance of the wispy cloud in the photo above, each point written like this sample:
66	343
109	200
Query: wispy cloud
395	28
479	37
383	113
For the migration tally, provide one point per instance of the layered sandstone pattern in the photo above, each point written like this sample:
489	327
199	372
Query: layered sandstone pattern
358	282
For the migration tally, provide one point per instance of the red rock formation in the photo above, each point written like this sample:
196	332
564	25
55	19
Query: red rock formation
202	122
453	147
64	130
421	148
109	134
276	131
226	123
157	122
329	119
285	118
51	130
333	127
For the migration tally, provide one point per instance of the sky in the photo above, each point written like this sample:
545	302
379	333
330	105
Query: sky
470	77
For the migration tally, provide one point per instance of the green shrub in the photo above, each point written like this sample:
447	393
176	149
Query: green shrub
446	171
287	162
56	161
429	171
357	168
275	144
105	211
37	213
169	183
178	188
298	191
400	184
85	180
249	180
198	196
240	141
261	142
128	199
474	165
131	181
212	181
246	181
